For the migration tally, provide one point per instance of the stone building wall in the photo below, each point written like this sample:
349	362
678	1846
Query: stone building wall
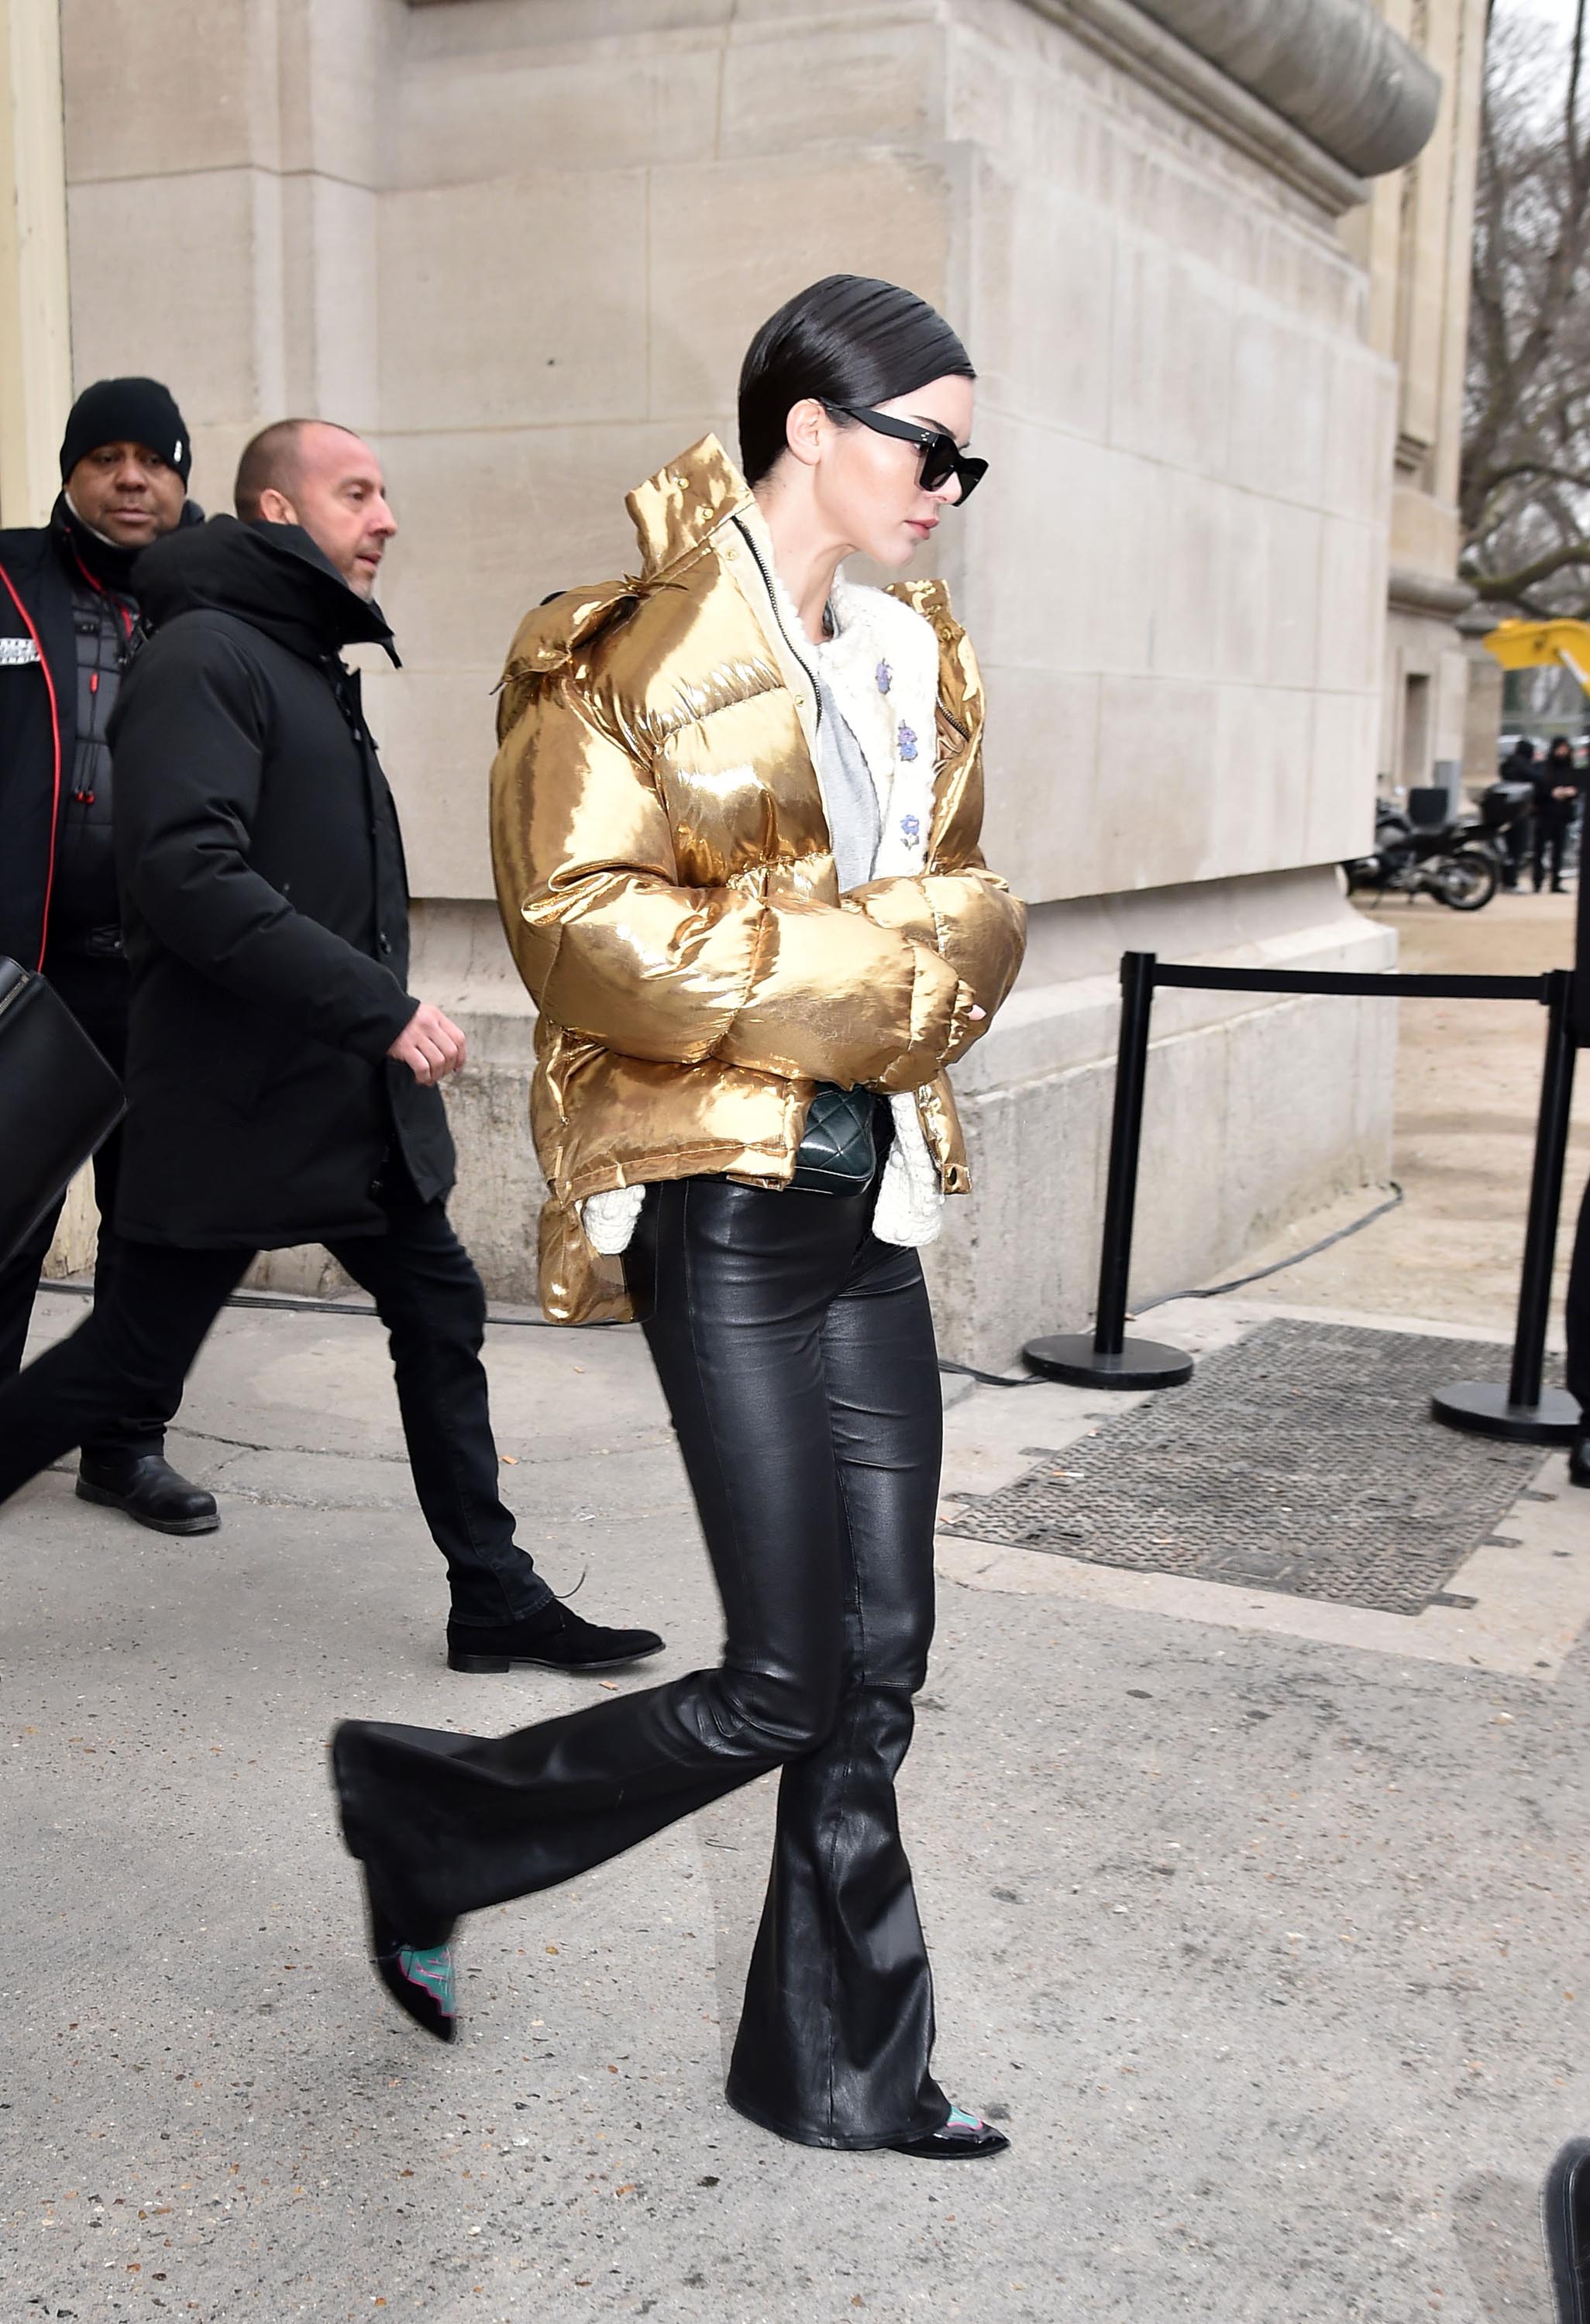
521	244
1415	236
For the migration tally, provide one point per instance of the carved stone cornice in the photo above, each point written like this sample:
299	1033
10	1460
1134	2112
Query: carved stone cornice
1323	92
1408	592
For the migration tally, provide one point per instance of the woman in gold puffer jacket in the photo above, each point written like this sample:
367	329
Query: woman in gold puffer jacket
734	819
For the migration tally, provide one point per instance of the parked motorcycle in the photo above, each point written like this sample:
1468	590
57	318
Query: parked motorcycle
1456	863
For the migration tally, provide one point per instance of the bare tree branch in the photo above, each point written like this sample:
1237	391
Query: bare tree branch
1528	578
1524	489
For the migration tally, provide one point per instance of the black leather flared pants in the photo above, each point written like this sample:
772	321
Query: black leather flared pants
796	1353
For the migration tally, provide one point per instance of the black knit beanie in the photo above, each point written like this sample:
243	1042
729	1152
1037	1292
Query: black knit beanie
126	411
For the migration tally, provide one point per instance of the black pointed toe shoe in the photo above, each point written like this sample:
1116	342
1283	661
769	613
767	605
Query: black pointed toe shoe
551	1639
1565	2219
962	2139
418	1977
149	1490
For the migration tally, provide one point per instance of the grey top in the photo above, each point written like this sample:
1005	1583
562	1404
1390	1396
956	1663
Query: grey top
850	797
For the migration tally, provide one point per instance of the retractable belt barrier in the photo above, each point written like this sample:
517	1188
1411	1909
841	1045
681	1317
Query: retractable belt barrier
1521	1409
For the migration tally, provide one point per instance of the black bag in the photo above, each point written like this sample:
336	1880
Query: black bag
838	1150
59	1099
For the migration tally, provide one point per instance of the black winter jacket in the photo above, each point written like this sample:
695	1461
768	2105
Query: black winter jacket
39	702
1553	775
265	907
38	729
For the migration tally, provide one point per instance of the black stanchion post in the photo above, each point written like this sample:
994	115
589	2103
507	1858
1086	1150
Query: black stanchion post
1105	1357
1523	1410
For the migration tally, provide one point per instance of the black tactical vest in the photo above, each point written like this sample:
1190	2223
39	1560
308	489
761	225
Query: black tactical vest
84	912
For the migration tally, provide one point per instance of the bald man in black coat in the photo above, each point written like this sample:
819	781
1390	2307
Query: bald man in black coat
281	1078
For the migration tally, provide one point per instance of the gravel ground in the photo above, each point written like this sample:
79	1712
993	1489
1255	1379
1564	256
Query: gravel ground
1266	1950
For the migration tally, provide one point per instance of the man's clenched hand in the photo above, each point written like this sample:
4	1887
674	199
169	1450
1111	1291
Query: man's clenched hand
430	1044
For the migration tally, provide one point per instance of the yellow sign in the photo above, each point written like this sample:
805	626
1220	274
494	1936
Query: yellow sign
1537	645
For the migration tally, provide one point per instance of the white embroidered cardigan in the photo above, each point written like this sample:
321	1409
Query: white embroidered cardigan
882	666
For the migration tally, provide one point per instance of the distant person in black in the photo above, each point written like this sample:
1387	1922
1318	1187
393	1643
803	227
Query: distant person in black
281	1078
68	626
1508	808
1556	802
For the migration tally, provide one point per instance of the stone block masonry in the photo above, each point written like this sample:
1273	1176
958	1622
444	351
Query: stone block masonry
525	251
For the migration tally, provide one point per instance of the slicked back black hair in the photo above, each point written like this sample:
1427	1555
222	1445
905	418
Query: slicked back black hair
847	339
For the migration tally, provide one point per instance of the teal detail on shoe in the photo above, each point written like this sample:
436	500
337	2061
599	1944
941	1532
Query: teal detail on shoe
432	1968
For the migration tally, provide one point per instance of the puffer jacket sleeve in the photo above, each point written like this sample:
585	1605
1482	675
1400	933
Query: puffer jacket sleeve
968	916
965	912
615	949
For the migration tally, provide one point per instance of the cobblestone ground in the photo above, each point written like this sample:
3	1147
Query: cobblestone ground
1259	1920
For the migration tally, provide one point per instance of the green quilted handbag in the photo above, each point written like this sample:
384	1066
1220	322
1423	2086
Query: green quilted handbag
839	1152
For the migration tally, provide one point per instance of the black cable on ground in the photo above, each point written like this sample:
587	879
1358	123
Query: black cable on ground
1210	1291
990	1379
1276	1267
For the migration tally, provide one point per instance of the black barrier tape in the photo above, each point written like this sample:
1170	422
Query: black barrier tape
1110	1360
1362	985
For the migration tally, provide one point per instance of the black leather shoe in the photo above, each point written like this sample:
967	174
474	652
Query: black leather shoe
1579	1457
962	2139
1565	2219
149	1489
552	1639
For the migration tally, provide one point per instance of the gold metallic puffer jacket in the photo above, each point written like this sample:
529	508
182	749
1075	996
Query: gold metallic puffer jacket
665	880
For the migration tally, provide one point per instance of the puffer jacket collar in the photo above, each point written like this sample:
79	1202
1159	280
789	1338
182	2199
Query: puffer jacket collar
700	502
676	515
676	510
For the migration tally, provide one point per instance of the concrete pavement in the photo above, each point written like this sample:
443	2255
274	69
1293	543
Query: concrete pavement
1468	1087
1268	1946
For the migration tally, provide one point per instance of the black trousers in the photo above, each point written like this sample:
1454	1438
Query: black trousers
796	1353
97	992
1577	1371
137	1344
1550	839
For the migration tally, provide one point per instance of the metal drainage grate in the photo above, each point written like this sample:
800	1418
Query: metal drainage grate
1302	1459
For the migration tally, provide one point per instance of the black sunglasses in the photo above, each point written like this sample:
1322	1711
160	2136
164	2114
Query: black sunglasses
942	456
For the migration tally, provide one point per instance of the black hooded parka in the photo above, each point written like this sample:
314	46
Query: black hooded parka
265	907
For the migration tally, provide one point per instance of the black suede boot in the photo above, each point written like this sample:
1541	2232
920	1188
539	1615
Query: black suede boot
148	1489
1579	1457
553	1638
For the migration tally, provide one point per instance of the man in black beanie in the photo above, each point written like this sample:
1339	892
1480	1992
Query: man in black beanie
68	626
